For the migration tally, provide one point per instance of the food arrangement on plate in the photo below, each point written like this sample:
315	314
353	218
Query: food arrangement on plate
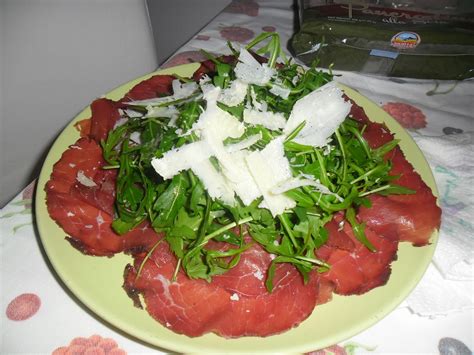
247	195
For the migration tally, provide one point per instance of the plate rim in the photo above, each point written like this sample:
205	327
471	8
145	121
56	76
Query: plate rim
165	344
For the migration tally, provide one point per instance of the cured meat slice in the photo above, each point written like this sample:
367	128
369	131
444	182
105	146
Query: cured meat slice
191	307
209	67
360	270
156	86
399	220
206	67
258	312
80	198
235	304
89	227
408	177
271	313
412	217
84	158
247	278
105	114
325	290
84	127
357	112
375	133
337	237
100	195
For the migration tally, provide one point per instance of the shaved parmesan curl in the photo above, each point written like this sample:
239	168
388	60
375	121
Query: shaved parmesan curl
323	110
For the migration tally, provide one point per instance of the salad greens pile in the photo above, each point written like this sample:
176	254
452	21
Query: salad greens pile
181	208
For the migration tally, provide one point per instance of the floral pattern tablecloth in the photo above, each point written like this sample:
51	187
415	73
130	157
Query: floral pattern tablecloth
39	315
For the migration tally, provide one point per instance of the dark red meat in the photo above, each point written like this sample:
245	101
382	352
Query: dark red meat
85	156
249	272
337	237
209	67
270	313
86	212
233	305
84	127
102	195
156	86
257	311
375	133
105	114
400	220
359	270
186	306
412	217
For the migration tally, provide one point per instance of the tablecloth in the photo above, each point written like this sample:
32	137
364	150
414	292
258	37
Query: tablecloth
39	315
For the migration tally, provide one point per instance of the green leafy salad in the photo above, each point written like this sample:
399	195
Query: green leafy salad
253	153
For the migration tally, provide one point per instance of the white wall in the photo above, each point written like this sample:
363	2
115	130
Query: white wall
185	17
56	56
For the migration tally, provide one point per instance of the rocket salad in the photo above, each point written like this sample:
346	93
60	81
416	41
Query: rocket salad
259	104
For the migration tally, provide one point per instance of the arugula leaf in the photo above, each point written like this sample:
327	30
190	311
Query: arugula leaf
170	202
358	229
237	111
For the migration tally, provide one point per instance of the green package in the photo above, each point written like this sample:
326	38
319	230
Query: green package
405	45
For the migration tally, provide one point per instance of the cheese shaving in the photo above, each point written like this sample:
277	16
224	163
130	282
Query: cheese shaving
250	71
323	110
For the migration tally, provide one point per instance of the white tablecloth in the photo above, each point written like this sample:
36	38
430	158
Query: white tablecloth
39	315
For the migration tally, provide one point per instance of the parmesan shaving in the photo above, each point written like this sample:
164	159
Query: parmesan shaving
157	111
280	90
269	167
179	159
270	120
250	71
235	94
323	110
303	180
238	175
215	183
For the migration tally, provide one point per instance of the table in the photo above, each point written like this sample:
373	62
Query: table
39	315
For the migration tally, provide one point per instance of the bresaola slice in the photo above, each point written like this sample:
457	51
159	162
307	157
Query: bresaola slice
89	228
412	217
191	307
262	313
248	276
290	302
234	305
356	271
156	86
105	114
86	212
80	198
337	237
84	157
101	194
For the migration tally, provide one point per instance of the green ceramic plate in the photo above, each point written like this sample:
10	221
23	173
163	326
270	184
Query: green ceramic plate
97	282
